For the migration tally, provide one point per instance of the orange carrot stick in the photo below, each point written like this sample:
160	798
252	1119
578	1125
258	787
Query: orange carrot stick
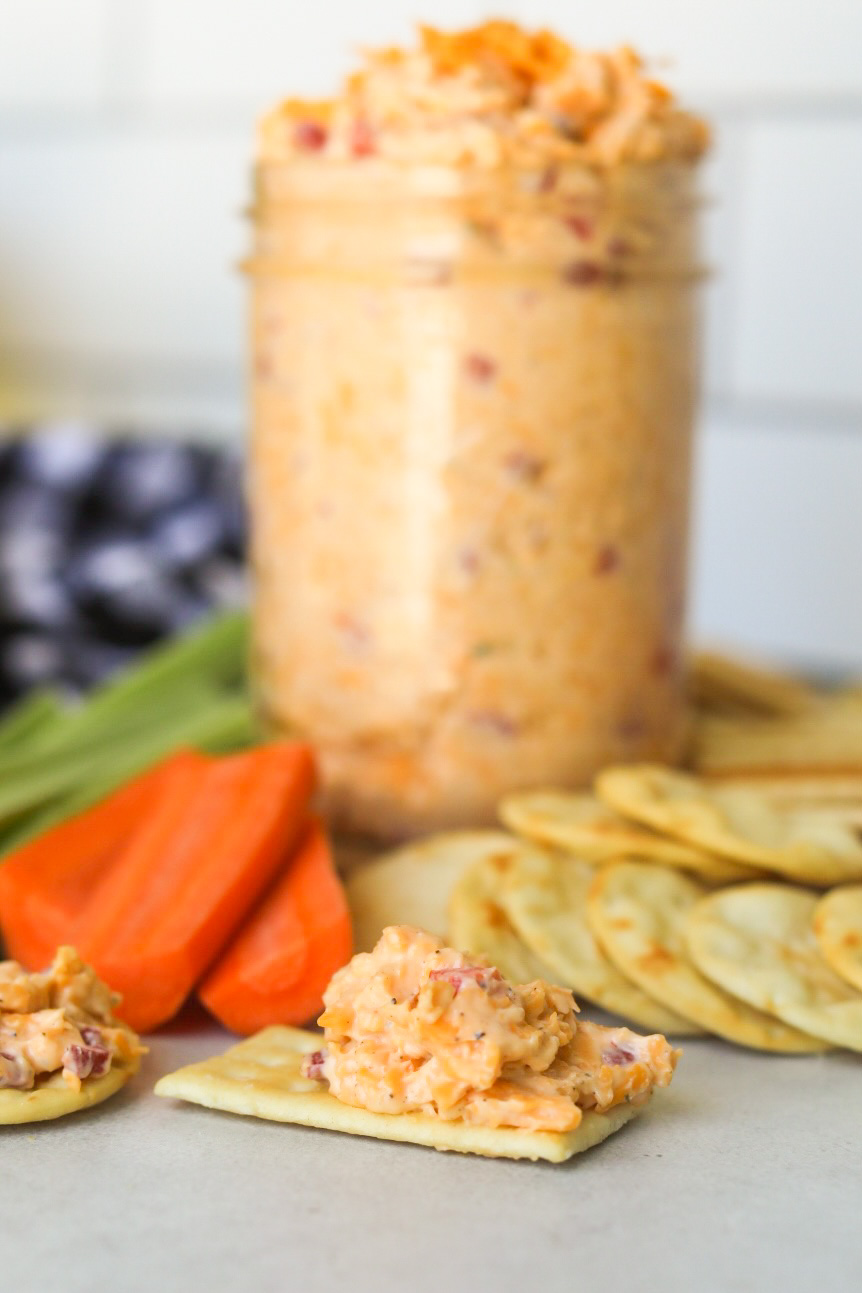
46	884
276	968
187	878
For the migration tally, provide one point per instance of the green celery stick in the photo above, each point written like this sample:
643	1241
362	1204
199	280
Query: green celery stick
227	724
33	762
214	655
61	771
31	719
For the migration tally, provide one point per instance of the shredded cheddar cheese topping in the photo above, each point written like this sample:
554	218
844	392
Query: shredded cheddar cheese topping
487	96
417	1026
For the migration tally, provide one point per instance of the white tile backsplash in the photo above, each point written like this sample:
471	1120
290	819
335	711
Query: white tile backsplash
799	267
777	541
722	214
53	54
125	138
750	48
123	245
261	49
253	52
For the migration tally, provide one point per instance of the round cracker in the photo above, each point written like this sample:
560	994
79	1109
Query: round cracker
411	885
827	739
583	825
479	923
757	942
799	790
727	683
51	1097
739	823
837	925
639	914
545	898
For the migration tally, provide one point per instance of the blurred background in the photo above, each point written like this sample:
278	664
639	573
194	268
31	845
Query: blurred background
126	131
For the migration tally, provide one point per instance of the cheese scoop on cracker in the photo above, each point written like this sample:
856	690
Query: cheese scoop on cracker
61	1048
423	1043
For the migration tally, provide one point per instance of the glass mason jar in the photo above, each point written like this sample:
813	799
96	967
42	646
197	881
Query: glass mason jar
473	396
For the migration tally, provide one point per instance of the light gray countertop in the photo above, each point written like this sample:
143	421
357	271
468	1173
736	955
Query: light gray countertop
745	1175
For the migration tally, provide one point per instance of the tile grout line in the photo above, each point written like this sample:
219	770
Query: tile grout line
214	378
126	107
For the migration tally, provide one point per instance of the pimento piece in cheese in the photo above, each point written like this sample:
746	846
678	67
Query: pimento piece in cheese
417	1026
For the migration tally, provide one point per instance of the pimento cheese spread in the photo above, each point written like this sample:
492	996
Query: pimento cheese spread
474	364
60	1020
416	1026
492	95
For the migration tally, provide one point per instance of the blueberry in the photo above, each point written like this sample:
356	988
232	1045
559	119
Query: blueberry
138	481
60	456
34	539
34	600
188	535
108	564
28	507
107	547
141	613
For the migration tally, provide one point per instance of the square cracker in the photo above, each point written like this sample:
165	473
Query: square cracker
261	1077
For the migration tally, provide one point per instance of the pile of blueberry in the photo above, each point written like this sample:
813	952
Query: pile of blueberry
106	546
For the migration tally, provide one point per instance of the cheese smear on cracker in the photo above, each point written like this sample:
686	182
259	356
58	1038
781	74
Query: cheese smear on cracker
415	1026
61	1047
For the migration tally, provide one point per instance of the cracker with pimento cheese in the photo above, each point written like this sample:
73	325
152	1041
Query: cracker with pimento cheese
737	823
638	913
61	1049
757	941
579	823
51	1098
546	899
425	1044
261	1077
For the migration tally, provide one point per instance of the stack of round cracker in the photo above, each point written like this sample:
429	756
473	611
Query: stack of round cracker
683	904
697	898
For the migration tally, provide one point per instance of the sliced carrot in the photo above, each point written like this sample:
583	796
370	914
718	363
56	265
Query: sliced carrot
276	968
187	878
46	884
